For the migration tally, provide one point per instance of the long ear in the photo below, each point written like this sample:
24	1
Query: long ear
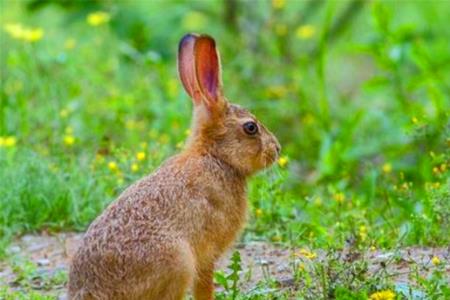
186	67
208	70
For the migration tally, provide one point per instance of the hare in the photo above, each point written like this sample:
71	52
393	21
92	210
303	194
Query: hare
164	233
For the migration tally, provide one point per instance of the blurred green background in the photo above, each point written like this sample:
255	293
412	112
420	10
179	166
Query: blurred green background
356	91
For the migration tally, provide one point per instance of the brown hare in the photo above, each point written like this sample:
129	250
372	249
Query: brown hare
164	233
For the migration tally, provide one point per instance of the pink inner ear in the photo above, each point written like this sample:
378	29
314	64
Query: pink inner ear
211	82
207	67
186	66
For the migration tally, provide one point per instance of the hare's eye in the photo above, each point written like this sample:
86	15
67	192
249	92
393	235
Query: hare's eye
250	128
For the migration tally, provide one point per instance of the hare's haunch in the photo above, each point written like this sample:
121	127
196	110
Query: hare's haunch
163	235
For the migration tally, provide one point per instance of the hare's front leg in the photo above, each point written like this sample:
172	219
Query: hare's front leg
204	285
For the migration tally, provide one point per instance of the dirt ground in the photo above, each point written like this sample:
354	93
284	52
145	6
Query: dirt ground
51	254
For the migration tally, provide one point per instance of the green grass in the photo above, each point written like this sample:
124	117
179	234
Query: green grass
362	113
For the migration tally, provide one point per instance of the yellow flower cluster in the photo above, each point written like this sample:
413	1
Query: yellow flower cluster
134	167
405	186
387	168
363	232
278	4
7	141
339	197
305	32
98	18
140	155
20	32
306	253
435	261
276	238
432	185
283	161
112	166
68	138
383	295
438	170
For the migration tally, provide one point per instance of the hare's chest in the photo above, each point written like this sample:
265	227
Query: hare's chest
223	224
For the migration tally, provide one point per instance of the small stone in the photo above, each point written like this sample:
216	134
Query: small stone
43	262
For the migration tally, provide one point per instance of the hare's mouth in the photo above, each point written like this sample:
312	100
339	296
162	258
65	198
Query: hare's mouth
269	157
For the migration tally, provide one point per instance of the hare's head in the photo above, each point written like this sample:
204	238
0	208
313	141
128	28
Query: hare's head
220	128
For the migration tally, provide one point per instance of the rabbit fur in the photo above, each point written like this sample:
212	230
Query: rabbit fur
164	233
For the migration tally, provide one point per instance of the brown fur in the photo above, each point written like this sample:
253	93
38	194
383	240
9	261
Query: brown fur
164	233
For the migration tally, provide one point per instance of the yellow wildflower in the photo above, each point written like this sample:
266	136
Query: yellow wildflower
278	4
387	168
20	32
301	267
435	260
33	35
140	155
405	186
276	238
134	167
98	18
414	120
258	212
306	253
113	166
187	132
443	167
14	30
69	140
383	295
339	197
7	141
282	161
363	232
373	248
305	32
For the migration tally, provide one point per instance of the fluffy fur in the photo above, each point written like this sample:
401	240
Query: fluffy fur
163	235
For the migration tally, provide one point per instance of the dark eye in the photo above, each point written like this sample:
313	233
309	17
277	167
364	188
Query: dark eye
250	128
